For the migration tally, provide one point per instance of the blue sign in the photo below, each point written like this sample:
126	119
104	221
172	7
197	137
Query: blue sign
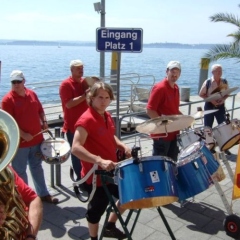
119	39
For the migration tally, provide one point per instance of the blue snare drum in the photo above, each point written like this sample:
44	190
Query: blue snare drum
193	176
147	183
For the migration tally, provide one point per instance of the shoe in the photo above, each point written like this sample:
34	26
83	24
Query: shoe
114	233
50	199
227	152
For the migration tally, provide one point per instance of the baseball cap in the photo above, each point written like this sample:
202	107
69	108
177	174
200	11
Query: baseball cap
76	63
174	64
16	75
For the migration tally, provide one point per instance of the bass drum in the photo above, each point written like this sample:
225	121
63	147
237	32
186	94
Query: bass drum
146	183
55	151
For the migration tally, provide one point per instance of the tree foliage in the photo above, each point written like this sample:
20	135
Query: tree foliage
224	51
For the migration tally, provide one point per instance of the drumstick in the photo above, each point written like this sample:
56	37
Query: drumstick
44	130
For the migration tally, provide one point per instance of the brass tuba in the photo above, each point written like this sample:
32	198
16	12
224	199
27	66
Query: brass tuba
11	204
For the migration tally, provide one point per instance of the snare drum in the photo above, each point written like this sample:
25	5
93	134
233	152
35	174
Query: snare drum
147	183
55	151
227	135
186	138
193	176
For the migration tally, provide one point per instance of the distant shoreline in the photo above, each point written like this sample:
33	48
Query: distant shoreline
93	44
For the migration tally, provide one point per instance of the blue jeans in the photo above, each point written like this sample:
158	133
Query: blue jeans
76	163
162	147
219	115
33	157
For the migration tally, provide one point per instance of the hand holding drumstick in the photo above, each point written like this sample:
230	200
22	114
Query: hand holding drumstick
28	137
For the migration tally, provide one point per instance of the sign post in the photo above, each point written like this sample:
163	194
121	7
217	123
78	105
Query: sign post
119	40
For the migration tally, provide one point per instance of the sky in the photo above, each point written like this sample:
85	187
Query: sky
175	21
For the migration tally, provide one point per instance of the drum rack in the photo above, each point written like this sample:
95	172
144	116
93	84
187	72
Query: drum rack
106	177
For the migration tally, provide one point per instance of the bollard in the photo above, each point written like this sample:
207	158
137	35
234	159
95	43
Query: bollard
203	71
58	166
185	94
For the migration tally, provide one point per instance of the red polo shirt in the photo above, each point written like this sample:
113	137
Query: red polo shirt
100	140
26	111
70	89
165	100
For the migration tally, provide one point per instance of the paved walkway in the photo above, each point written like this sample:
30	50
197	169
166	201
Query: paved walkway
201	218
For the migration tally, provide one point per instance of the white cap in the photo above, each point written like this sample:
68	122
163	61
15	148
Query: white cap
76	63
174	64
16	75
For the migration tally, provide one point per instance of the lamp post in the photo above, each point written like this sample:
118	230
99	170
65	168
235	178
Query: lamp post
100	8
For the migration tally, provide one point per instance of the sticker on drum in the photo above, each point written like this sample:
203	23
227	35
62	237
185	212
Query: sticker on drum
148	183
193	176
55	151
227	135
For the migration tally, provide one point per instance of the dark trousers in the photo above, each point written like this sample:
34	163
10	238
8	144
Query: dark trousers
219	115
166	148
76	163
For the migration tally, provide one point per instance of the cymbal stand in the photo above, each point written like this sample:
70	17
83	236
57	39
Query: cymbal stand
219	189
107	177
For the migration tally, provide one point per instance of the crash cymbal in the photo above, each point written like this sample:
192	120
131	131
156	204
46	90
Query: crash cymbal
220	94
165	124
200	114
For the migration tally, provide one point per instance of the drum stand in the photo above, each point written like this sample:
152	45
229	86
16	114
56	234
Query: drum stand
106	177
217	185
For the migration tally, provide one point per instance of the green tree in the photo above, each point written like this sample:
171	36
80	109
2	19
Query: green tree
224	51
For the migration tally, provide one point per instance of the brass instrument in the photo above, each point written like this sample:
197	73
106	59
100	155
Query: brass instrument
16	217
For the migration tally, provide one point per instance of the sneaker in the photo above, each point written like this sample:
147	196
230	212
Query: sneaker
50	199
114	233
227	152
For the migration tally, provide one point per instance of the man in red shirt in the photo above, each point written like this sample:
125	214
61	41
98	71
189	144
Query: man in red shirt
24	106
164	100
73	96
95	143
33	207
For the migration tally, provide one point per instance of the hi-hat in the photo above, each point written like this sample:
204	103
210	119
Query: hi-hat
200	114
165	124
219	95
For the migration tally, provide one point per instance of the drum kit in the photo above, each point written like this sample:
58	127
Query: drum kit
153	181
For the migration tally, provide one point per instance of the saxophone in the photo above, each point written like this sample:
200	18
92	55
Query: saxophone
14	221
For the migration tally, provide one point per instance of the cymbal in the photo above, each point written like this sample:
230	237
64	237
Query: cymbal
200	114
220	94
165	124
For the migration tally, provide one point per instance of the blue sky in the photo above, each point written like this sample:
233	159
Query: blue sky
184	21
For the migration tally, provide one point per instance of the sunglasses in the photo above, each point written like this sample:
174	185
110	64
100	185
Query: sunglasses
16	82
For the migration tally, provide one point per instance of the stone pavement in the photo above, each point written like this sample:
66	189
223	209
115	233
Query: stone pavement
200	218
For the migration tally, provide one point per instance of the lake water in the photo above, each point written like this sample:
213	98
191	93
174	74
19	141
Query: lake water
47	63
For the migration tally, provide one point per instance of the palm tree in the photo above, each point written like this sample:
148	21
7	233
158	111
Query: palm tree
224	51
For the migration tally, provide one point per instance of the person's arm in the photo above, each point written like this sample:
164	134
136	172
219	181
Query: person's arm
35	214
152	113
75	101
122	146
82	153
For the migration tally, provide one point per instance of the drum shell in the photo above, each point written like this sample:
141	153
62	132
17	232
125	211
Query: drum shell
146	184
227	135
55	151
195	165
192	178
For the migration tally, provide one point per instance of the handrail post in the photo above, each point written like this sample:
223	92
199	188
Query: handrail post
58	166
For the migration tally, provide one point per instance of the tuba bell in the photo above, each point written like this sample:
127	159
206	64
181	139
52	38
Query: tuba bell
14	221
